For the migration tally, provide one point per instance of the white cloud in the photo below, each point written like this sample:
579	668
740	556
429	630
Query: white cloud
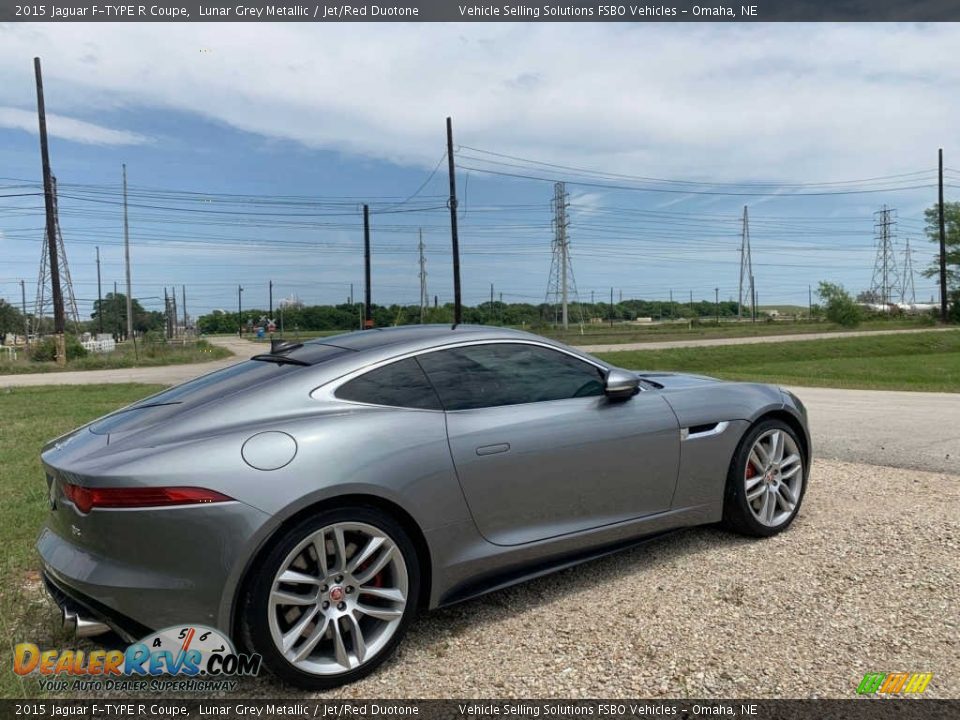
793	102
68	128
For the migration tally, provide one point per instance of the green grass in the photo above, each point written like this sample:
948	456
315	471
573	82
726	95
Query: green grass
297	335
29	417
125	356
619	334
920	361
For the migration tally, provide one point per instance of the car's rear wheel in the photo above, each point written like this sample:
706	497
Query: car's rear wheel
766	480
333	597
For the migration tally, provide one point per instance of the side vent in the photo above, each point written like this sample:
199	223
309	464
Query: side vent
697	432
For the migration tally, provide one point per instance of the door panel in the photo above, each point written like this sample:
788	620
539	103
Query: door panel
543	469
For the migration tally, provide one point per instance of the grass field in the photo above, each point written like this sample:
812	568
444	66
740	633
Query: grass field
618	334
31	417
125	356
920	361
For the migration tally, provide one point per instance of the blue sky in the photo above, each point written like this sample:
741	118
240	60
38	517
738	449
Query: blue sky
308	123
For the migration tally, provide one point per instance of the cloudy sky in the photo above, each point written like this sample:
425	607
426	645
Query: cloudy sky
250	149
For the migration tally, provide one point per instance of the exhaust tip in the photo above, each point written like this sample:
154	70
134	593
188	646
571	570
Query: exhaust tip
90	628
68	620
82	627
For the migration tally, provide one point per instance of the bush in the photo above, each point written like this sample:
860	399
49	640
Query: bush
840	307
46	349
953	308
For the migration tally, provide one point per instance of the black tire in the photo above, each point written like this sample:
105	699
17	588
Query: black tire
255	603
737	516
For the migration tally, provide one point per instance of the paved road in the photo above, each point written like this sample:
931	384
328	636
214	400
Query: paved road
900	429
913	430
163	375
703	342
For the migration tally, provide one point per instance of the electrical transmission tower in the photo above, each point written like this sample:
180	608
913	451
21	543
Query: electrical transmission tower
561	285
424	302
746	267
885	286
44	292
908	292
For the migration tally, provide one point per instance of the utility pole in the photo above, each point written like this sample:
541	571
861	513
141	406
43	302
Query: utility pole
746	266
173	311
809	301
23	305
943	248
561	201
611	307
58	315
271	300
240	309
691	301
184	289
455	241
716	293
671	304
126	255
367	317
423	281
166	313
99	296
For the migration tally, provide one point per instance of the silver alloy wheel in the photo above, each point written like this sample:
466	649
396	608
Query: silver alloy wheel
338	598
773	478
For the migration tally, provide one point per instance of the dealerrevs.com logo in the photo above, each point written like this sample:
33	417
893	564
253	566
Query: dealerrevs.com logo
191	657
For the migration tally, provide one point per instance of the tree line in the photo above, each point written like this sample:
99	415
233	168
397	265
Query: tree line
349	316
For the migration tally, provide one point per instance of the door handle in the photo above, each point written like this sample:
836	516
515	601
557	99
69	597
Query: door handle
493	449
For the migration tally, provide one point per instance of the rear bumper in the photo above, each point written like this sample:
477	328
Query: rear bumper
147	570
70	600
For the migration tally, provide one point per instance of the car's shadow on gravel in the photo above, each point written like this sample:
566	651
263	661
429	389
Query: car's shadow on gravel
434	629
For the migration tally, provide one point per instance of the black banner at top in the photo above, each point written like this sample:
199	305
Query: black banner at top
466	11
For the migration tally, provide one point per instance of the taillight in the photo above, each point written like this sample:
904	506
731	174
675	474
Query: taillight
88	498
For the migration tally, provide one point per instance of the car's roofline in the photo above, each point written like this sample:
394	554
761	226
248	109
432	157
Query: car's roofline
424	337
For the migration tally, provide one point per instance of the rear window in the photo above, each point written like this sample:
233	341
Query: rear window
399	384
242	375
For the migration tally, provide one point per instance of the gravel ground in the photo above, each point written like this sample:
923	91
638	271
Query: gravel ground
866	579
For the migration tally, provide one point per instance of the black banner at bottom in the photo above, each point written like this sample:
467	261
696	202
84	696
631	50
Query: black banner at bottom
285	709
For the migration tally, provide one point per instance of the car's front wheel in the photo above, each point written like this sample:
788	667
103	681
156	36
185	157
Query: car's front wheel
766	480
332	597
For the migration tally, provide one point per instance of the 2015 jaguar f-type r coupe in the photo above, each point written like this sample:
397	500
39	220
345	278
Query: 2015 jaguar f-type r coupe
309	500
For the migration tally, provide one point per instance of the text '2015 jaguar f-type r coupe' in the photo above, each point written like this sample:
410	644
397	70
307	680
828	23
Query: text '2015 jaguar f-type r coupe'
309	500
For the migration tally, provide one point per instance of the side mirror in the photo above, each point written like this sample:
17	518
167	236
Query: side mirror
621	385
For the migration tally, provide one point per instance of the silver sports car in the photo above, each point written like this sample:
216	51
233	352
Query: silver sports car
309	500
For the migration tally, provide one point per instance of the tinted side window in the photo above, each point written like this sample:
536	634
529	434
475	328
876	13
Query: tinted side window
399	384
508	374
